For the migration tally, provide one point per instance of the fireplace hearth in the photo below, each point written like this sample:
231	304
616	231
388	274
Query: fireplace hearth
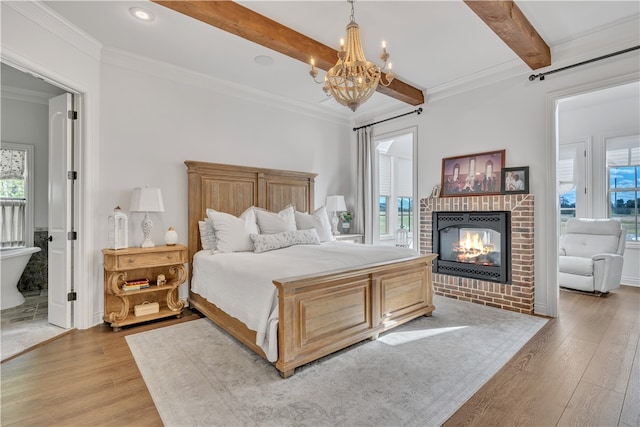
473	245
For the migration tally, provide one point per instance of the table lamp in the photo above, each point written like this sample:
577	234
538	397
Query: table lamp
335	204
147	199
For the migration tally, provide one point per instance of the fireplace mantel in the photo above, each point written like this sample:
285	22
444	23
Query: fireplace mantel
519	296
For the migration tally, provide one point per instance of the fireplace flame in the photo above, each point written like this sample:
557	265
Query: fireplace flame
471	248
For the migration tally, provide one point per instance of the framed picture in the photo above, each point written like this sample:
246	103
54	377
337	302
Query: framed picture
473	174
515	180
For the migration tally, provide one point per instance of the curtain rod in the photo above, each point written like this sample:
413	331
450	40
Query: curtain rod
532	77
418	111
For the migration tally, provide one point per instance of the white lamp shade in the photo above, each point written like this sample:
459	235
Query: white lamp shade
147	199
335	204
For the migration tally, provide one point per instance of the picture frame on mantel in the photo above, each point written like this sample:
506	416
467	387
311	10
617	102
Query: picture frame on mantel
515	180
472	174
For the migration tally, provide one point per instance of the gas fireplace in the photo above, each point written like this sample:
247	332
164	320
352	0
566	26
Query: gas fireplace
473	244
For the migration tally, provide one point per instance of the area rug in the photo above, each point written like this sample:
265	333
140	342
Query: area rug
418	374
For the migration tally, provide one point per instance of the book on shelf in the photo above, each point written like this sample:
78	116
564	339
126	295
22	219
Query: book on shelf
135	285
137	282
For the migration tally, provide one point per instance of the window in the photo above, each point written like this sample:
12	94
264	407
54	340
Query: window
405	213
16	162
393	174
623	177
384	222
572	182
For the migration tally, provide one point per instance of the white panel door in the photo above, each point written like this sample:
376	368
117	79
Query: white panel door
60	209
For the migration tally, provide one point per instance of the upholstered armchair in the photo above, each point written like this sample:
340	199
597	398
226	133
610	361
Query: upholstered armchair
591	255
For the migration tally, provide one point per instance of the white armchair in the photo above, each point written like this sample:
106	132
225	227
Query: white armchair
591	255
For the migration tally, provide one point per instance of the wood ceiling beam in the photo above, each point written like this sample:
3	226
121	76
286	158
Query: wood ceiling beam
506	19
243	22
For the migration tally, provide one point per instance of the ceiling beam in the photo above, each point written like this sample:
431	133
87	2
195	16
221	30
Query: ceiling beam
243	22
509	23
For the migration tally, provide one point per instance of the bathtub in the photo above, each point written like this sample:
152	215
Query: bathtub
12	264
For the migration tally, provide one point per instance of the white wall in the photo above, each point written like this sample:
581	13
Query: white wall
26	123
154	117
513	115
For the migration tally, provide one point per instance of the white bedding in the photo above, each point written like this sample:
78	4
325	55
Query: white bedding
241	284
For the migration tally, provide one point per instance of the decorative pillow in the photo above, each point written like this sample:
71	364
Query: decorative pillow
318	220
233	233
271	223
269	242
207	234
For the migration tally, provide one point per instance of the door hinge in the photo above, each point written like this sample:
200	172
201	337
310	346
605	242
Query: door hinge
72	175
73	115
72	296
72	235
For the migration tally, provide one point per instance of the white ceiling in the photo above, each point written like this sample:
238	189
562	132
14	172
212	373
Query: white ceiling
433	44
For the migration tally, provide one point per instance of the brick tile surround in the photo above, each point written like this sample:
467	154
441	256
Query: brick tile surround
519	296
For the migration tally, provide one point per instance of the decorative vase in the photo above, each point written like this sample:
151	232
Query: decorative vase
171	237
346	227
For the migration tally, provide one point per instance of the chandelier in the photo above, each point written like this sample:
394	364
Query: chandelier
354	79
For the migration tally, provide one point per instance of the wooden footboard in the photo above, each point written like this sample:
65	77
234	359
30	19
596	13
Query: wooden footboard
319	315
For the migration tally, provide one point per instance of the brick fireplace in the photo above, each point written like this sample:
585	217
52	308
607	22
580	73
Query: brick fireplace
517	296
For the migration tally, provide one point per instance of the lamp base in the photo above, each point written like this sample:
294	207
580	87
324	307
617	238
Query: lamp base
334	224
147	244
147	226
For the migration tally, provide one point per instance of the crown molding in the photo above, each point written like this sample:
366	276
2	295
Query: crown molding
46	18
607	39
138	63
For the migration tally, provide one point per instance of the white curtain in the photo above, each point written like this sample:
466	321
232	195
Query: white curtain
12	222
363	221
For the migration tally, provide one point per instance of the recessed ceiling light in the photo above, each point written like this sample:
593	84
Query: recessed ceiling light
263	60
142	14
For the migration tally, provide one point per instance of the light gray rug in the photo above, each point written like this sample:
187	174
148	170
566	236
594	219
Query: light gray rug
416	375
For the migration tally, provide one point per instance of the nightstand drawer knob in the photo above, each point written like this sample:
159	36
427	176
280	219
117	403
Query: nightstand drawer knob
169	256
132	259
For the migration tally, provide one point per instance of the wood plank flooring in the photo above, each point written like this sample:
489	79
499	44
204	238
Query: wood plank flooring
582	368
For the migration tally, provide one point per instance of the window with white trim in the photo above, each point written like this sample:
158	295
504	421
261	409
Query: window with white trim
623	182
16	163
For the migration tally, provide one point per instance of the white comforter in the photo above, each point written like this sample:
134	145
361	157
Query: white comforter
241	283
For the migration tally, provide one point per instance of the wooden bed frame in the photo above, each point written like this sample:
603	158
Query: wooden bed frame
318	314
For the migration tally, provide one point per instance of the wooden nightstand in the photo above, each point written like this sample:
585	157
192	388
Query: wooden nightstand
352	238
138	263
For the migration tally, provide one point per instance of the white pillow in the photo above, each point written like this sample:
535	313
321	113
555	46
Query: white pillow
233	233
271	223
207	234
269	242
319	220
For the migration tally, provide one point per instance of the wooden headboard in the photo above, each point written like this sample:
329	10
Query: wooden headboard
233	189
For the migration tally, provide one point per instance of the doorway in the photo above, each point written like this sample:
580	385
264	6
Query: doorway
395	189
25	110
598	152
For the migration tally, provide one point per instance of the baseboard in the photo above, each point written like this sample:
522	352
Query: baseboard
630	281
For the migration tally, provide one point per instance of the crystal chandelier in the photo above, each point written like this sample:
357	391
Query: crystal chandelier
354	79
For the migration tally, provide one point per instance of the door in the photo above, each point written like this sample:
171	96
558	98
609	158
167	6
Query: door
60	209
394	189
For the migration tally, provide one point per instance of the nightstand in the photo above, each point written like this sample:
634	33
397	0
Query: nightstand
142	263
351	238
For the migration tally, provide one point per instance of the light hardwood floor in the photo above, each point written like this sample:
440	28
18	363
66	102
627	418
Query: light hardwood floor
582	368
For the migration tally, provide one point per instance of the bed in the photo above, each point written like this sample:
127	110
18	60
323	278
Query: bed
317	313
